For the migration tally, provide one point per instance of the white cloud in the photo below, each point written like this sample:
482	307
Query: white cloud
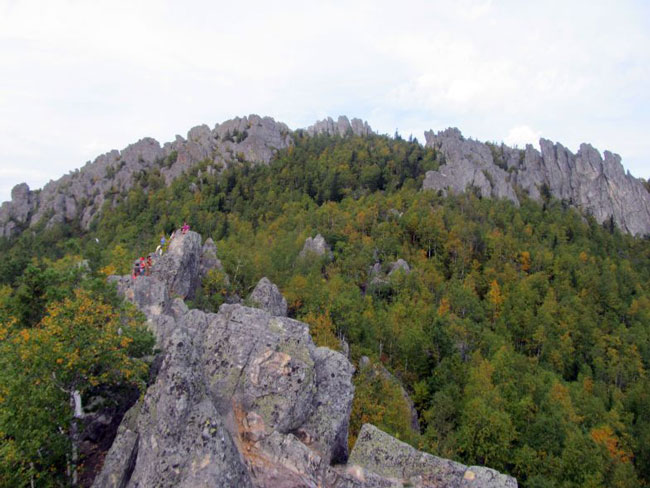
81	78
521	135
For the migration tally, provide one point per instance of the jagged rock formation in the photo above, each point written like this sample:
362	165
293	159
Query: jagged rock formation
316	246
341	127
594	185
585	180
82	193
243	398
267	296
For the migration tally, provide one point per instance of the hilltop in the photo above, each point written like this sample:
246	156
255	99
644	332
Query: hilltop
594	185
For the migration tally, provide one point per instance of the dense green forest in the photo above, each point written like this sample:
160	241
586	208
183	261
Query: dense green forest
521	333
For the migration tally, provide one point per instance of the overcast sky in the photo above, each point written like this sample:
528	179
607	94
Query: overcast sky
79	78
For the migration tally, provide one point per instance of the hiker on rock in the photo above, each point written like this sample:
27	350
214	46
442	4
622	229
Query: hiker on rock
161	247
136	269
185	228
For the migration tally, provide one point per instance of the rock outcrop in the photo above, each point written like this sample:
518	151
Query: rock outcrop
384	455
243	398
267	296
594	184
585	180
81	194
209	259
316	246
342	127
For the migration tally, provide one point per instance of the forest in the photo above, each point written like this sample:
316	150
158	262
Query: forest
521	333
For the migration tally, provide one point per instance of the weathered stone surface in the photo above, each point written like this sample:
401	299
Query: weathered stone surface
241	398
316	247
469	164
17	213
378	452
81	194
267	296
182	440
209	259
120	461
327	427
265	363
342	127
180	266
594	185
482	477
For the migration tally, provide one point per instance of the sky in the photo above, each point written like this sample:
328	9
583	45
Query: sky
80	78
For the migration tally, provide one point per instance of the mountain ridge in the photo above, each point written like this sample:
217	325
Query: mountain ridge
585	180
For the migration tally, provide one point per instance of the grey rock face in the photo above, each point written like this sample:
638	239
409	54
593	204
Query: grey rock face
243	398
209	259
316	247
81	194
181	439
180	266
17	213
378	452
480	476
469	164
594	185
341	127
267	296
327	427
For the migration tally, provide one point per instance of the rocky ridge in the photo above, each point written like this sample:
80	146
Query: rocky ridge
243	398
585	180
82	193
595	185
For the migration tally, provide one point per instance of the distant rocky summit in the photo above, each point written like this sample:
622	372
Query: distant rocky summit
243	398
82	193
585	180
341	127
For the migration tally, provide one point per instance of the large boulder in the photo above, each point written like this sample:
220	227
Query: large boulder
179	268
267	296
380	453
316	246
209	259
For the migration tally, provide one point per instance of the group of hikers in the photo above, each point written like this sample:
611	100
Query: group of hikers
142	266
